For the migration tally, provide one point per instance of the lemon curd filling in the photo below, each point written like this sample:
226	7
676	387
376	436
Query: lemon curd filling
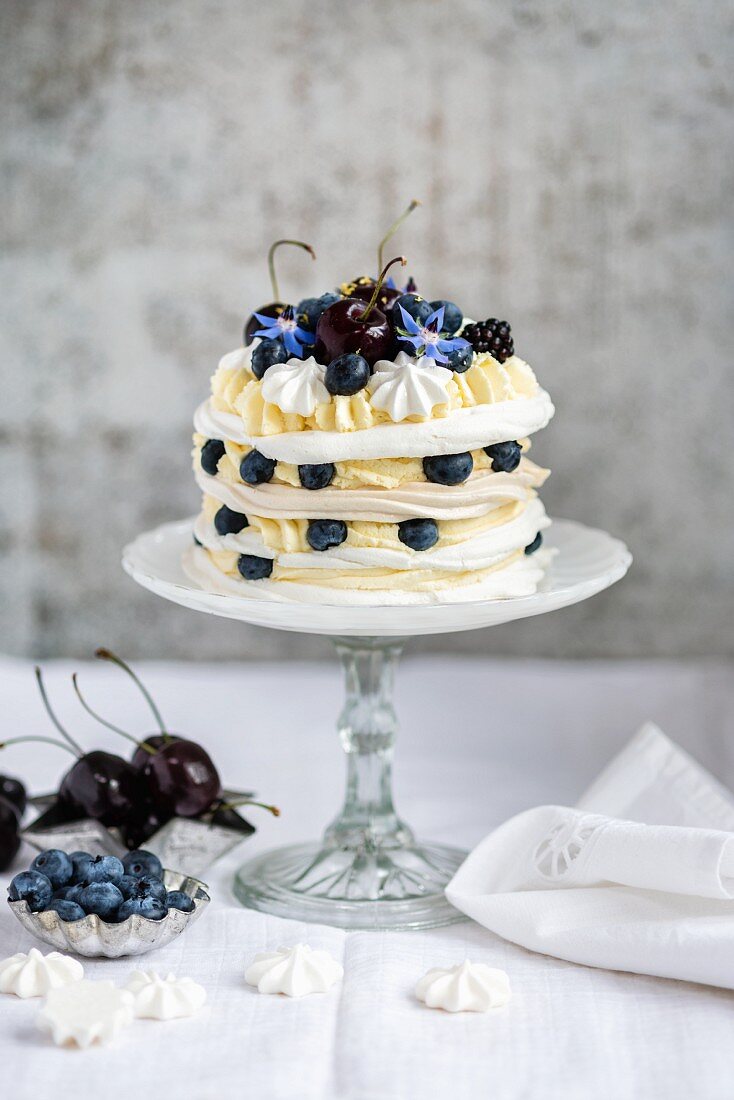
236	390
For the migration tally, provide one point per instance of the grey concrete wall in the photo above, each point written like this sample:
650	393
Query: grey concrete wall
575	161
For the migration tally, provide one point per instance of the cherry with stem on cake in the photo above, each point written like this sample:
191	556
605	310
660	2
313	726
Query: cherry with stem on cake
276	307
179	773
353	325
99	784
364	285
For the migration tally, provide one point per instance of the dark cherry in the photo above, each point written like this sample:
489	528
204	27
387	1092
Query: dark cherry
14	791
343	328
273	309
103	786
182	778
353	325
156	741
9	835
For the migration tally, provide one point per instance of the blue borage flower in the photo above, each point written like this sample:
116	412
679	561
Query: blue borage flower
427	339
285	328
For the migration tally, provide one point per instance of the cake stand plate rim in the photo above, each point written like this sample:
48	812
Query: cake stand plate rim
601	559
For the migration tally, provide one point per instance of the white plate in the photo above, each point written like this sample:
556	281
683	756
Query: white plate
588	560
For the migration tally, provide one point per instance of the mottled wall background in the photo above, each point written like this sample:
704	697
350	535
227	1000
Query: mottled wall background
575	162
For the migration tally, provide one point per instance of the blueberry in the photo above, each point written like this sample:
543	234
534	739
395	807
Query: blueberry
67	910
62	894
148	907
100	869
317	475
74	893
229	522
535	544
211	452
102	898
452	316
265	354
505	456
460	360
418	534
77	858
254	568
141	862
127	885
176	899
256	468
150	886
55	865
33	887
448	469
347	374
310	309
323	533
413	304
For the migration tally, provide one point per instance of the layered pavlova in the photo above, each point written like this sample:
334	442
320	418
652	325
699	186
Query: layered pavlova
370	447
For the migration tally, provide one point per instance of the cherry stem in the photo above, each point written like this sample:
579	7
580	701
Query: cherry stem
378	286
44	740
103	721
249	802
271	261
75	746
414	204
107	655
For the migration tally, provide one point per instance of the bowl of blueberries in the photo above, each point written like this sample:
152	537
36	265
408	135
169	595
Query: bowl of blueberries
102	906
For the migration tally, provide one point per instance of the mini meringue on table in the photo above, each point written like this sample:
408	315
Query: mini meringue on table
86	1012
35	974
294	971
468	987
164	998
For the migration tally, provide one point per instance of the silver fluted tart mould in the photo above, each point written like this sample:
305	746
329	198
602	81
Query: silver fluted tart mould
94	938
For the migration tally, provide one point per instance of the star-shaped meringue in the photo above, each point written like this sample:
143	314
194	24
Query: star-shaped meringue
86	1012
294	971
408	387
296	386
35	974
468	987
169	998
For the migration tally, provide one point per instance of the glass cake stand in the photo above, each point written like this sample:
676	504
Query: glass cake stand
368	870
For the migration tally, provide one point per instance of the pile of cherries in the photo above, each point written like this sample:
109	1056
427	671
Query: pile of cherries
168	776
76	885
12	807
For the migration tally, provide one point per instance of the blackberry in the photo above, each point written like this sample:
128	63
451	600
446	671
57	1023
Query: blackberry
493	336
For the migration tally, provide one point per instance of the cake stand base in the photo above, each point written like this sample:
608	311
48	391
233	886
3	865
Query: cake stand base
311	883
369	871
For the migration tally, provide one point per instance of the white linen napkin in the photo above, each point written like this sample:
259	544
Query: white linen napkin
639	876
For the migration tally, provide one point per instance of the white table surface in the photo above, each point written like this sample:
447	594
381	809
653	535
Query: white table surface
481	740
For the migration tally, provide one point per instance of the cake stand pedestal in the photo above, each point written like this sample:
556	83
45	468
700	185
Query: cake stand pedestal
368	870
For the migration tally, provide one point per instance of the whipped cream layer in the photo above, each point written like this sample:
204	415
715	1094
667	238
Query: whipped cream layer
479	494
481	552
520	577
465	429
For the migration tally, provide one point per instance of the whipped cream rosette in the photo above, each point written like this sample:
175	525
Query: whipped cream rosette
382	457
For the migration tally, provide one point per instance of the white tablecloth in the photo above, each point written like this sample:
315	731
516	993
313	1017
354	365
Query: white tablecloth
528	733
